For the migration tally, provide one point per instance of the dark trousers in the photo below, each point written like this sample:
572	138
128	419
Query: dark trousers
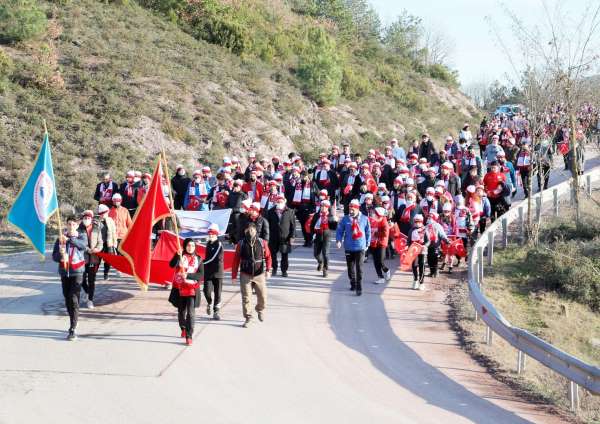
106	264
379	260
432	259
88	283
213	285
482	225
525	180
233	227
499	207
418	268
71	288
543	175
354	261
178	202
321	250
302	215
274	258
186	314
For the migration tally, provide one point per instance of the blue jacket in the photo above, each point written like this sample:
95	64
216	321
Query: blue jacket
76	248
344	232
511	175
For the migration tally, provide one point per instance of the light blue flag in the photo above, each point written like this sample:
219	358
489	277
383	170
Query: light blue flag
36	201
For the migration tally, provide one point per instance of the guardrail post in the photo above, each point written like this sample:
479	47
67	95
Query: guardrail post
520	362
521	225
480	265
573	188
488	336
589	185
555	194
538	209
504	233
574	396
490	248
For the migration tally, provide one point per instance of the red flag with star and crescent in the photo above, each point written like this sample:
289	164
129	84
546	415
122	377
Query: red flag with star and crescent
136	247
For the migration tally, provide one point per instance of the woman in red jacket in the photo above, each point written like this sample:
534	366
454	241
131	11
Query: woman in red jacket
380	233
185	294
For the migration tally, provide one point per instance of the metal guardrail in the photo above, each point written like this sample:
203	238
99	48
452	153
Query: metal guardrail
576	371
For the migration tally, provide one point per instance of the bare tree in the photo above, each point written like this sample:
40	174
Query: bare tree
558	57
438	45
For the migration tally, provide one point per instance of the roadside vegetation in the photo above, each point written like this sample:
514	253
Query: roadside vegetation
551	290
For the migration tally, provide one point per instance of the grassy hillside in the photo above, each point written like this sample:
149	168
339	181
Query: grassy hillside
116	81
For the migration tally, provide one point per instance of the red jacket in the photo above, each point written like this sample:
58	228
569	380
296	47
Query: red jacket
237	258
491	181
247	188
380	231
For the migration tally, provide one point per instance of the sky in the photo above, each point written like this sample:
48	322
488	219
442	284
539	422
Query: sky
477	54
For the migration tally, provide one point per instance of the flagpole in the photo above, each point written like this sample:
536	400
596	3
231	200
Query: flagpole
60	227
173	215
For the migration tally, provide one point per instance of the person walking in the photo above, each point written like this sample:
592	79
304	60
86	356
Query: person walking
252	260
419	235
120	215
355	232
321	226
109	234
380	233
213	272
69	252
185	295
282	228
93	229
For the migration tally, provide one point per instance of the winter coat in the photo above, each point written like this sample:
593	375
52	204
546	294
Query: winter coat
122	220
344	233
240	256
95	242
190	288
109	233
76	247
380	232
281	230
179	185
104	192
262	227
213	261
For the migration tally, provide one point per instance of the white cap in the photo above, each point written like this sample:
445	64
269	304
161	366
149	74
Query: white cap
102	208
355	204
448	165
447	206
471	189
117	196
212	228
326	203
380	211
369	196
418	217
381	185
385	199
410	181
131	173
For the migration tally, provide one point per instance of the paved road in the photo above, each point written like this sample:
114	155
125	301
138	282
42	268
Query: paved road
323	355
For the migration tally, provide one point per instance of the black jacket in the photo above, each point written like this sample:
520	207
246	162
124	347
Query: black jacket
262	227
234	201
213	262
180	184
325	235
281	231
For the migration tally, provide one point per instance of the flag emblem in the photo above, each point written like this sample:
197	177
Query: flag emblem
43	194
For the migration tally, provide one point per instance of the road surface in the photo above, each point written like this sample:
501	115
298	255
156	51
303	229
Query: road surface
323	355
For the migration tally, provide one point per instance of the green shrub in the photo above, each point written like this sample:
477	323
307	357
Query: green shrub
6	66
320	67
441	72
355	85
21	20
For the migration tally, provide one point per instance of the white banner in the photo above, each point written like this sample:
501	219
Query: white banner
195	224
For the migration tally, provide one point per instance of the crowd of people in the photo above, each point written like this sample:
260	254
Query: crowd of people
437	196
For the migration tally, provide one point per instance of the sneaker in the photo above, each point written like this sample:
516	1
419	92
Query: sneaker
188	341
208	310
324	273
183	333
72	336
380	281
449	270
320	266
90	304
273	273
415	284
105	277
246	323
168	286
216	316
358	292
388	275
284	274
261	317
422	286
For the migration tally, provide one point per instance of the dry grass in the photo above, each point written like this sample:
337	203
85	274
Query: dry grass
570	326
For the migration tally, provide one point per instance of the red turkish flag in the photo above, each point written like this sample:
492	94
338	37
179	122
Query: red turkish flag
136	247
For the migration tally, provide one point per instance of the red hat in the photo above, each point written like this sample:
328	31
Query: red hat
354	204
255	206
324	192
205	169
87	213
